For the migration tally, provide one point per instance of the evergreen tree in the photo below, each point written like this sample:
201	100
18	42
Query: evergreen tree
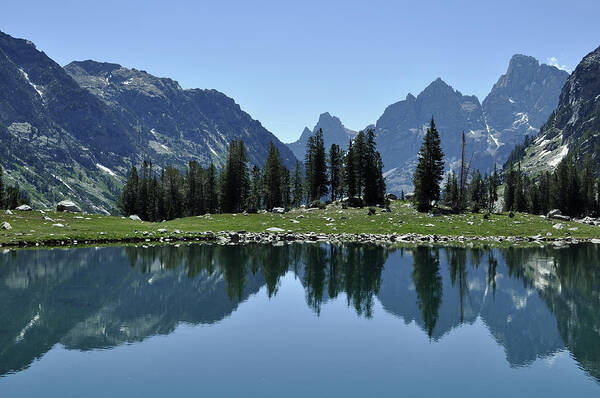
478	192
2	189
350	171
128	200
297	186
172	183
272	179
509	188
588	185
360	162
492	186
430	168
285	187
211	189
256	189
519	192
235	182
316	167
335	171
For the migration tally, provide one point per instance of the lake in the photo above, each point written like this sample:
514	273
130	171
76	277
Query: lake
300	320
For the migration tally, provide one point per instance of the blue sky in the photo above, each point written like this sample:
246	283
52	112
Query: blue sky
287	62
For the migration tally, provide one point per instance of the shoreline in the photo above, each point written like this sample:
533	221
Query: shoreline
243	237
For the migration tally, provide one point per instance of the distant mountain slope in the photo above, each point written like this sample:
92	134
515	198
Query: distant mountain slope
75	135
177	125
402	126
517	105
334	132
575	125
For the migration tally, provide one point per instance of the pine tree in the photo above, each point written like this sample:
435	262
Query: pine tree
2	193
172	182
430	168
316	167
492	186
359	160
211	189
478	192
285	187
128	200
520	197
272	179
335	171
297	186
350	171
588	185
236	182
509	188
256	189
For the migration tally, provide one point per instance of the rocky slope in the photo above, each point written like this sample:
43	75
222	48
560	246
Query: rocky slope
517	105
177	125
75	135
334	132
521	102
575	125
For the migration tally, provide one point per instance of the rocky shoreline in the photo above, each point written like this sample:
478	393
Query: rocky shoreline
243	237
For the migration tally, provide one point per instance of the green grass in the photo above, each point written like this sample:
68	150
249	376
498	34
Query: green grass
31	228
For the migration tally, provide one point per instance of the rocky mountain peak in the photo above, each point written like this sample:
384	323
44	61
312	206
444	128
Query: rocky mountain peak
334	132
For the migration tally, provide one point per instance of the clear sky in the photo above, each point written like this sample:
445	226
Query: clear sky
287	62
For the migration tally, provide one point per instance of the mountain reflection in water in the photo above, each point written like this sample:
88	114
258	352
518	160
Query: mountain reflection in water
535	302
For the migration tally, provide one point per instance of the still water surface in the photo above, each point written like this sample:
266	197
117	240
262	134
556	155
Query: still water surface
300	321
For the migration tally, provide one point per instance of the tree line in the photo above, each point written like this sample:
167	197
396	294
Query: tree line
10	196
571	188
236	187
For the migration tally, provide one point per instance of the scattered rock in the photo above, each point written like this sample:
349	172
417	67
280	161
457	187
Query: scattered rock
558	226
67	205
24	208
8	212
6	225
278	210
135	217
161	230
557	215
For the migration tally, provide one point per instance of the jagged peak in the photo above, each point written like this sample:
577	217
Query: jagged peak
438	86
94	67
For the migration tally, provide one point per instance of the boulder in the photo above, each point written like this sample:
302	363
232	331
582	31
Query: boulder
161	230
353	202
6	225
58	225
278	210
24	208
67	205
8	212
391	196
557	215
135	217
275	229
558	226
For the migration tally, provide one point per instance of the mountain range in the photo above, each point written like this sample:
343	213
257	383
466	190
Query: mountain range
518	105
575	125
74	132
